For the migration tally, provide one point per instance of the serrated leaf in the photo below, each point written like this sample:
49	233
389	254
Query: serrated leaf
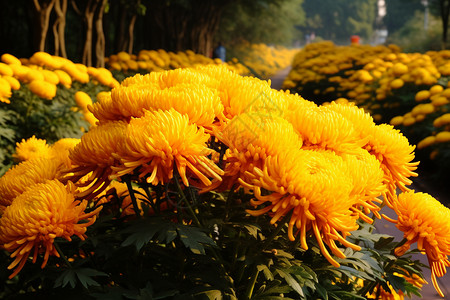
291	281
67	277
193	238
85	276
252	230
144	231
265	271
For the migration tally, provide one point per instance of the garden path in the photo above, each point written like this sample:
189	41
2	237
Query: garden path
428	292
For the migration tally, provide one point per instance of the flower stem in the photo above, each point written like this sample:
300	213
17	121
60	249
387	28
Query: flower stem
61	254
250	288
277	230
149	197
183	197
132	196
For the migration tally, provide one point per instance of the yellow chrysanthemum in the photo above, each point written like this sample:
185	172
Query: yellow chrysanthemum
426	221
158	141
31	148
395	153
17	179
45	59
368	183
95	154
39	215
83	100
64	78
10	59
43	89
326	129
199	102
316	188
362	121
60	149
251	138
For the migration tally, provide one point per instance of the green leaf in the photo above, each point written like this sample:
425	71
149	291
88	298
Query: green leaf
193	238
67	277
266	271
84	276
144	231
291	281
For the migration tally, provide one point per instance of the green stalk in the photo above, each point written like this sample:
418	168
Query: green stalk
61	254
277	230
183	197
132	196
251	287
149	197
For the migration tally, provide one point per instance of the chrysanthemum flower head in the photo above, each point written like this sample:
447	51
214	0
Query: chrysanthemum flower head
158	141
31	148
60	150
95	154
395	153
27	173
43	89
326	129
251	138
315	187
39	215
426	221
368	182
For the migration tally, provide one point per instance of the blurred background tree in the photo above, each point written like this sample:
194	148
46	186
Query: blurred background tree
87	30
337	20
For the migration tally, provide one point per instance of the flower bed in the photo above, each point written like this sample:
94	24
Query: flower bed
407	90
204	183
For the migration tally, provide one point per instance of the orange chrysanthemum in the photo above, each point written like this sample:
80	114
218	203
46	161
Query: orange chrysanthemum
31	148
171	89
60	150
95	154
368	183
315	187
26	174
325	129
158	141
395	153
251	138
426	221
38	216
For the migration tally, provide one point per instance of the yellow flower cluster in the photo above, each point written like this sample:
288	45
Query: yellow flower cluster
323	60
159	60
36	207
366	75
43	72
320	167
265	61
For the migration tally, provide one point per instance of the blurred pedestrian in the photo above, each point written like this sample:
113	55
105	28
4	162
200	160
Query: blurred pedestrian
220	52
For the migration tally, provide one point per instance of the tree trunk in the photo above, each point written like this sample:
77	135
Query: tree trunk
89	19
121	43
131	33
43	11
100	43
445	11
59	27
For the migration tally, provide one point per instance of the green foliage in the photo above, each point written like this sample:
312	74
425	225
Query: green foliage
269	23
29	115
338	20
205	246
412	37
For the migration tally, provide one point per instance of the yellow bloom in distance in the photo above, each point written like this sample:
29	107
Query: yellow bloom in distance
31	148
